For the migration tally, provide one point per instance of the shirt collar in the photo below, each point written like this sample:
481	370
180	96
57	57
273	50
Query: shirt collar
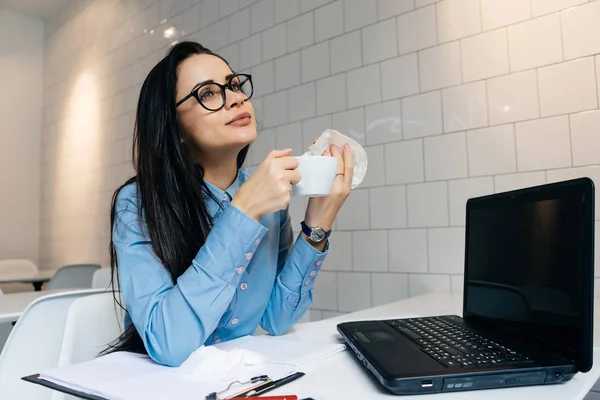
221	195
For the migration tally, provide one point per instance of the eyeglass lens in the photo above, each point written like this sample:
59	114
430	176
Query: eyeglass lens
212	97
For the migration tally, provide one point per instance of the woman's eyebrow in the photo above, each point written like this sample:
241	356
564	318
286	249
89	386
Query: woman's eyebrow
227	78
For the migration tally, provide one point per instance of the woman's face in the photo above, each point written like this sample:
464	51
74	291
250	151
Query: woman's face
213	133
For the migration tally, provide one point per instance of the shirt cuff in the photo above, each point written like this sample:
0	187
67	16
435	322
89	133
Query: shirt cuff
308	261
230	245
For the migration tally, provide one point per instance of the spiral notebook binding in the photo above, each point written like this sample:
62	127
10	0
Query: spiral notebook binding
323	356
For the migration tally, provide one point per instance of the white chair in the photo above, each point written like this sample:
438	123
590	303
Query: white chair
35	344
76	276
101	279
19	265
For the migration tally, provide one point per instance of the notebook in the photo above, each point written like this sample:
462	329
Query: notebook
127	376
299	354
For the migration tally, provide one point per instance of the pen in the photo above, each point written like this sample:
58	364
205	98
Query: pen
274	384
282	397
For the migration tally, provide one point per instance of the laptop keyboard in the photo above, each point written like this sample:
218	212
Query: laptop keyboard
453	346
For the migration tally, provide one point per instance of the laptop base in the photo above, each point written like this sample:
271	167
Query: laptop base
425	375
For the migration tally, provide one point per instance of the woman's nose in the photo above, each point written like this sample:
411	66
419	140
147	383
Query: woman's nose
233	99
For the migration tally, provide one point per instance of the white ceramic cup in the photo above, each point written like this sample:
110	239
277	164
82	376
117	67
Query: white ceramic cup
318	173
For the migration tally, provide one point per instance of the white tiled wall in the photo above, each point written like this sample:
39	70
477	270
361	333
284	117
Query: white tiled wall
21	70
451	99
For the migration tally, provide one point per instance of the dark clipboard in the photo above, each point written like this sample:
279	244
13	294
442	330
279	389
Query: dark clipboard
39	381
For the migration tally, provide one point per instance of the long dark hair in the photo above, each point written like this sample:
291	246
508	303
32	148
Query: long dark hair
170	183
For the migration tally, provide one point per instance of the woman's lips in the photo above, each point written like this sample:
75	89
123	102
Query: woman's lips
241	121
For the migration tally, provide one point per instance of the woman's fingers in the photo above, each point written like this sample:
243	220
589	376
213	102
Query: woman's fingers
348	155
293	176
335	152
280	153
288	163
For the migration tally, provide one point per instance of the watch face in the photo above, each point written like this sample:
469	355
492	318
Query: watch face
317	235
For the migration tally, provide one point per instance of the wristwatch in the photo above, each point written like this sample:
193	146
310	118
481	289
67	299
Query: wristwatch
316	234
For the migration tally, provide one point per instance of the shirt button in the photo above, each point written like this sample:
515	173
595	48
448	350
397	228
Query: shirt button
244	286
225	198
257	242
240	270
318	263
235	321
313	273
307	282
217	341
248	256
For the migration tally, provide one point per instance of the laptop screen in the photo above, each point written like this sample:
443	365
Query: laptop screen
529	263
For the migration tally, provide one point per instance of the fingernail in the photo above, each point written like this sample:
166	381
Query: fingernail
347	146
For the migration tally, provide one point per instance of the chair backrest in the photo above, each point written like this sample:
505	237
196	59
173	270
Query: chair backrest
92	323
76	276
35	344
20	265
101	278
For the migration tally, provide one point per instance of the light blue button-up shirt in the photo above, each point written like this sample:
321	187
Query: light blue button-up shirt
245	275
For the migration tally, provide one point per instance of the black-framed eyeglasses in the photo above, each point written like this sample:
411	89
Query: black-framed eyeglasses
211	95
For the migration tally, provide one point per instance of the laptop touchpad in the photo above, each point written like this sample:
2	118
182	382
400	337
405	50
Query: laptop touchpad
380	336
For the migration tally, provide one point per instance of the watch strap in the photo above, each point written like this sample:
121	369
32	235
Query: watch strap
307	230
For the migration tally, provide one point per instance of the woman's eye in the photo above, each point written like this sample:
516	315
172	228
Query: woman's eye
235	86
207	94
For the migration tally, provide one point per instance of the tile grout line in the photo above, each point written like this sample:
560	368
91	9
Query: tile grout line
531	8
596	75
562	38
539	96
468	163
570	141
516	147
508	49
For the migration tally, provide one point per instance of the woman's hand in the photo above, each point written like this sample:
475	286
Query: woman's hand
268	188
322	211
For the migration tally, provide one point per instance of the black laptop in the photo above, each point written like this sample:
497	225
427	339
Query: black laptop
527	301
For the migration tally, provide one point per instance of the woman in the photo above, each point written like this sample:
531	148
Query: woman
204	248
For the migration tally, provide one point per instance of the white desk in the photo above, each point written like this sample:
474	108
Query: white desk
342	377
37	279
12	305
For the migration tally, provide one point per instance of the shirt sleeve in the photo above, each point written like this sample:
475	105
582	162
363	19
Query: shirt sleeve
298	267
175	319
